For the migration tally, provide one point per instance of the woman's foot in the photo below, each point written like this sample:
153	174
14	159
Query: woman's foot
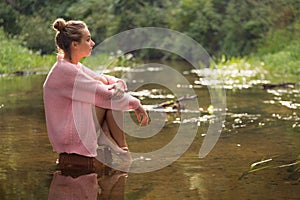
125	148
103	140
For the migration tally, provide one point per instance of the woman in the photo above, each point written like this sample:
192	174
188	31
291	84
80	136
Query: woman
71	93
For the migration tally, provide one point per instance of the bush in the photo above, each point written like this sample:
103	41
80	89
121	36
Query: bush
41	37
15	57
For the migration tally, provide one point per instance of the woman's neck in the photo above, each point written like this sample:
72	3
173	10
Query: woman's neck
73	61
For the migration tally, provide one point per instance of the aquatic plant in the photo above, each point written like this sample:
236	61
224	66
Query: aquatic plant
269	163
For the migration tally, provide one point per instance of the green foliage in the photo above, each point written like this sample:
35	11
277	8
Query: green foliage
284	61
8	18
199	20
280	51
42	38
96	14
15	57
230	27
31	20
245	22
256	29
274	41
106	18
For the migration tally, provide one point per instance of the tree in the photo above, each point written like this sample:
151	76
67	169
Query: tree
245	23
8	19
199	20
32	19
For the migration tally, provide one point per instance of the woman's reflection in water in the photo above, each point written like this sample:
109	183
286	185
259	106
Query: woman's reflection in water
79	182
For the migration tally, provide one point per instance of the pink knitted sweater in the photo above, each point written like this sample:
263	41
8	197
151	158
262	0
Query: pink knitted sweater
69	188
70	95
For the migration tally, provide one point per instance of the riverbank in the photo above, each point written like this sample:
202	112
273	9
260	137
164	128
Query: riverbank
275	62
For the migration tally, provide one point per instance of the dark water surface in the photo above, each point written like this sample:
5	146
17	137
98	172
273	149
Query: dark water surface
260	126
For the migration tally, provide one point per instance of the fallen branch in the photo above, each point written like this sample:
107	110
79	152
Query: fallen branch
268	86
175	104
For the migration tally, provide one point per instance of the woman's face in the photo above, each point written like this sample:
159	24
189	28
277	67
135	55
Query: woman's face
86	44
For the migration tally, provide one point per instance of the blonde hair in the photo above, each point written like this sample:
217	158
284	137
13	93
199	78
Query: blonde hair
66	33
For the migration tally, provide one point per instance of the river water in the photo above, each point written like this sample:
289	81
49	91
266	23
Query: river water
262	129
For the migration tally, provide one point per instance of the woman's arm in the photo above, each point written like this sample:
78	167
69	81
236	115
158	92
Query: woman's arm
102	79
70	82
105	79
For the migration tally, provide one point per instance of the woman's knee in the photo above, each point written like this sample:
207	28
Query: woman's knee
100	113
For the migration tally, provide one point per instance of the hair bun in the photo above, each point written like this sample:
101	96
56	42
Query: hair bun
59	24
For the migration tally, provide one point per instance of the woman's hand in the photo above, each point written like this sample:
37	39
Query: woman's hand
142	116
119	90
102	79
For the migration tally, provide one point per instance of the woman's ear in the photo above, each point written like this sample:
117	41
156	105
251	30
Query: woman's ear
74	44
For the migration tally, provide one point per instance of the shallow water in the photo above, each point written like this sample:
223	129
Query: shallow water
260	126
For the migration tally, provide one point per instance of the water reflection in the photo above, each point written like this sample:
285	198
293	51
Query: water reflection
77	187
76	184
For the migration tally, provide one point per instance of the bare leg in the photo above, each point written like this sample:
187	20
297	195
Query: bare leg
107	132
111	124
114	121
101	115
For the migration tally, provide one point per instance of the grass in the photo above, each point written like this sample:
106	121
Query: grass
279	66
278	59
14	57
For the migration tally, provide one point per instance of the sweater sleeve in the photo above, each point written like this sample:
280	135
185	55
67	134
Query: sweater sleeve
110	79
88	89
74	83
